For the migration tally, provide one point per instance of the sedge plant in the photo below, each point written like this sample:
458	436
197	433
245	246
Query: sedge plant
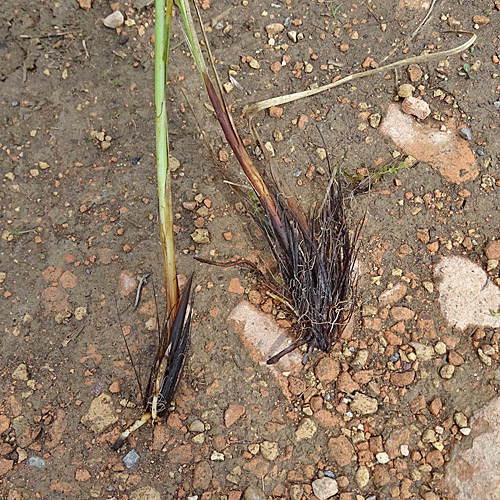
174	334
315	253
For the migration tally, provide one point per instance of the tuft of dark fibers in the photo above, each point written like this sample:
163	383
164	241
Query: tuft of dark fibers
316	258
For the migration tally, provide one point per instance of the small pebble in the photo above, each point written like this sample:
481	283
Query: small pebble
375	120
325	488
460	419
363	404
429	436
321	153
465	431
306	429
201	236
362	477
382	457
405	90
197	426
37	462
131	458
488	350
416	107
217	457
484	359
114	20
447	371
269	450
274	29
20	373
296	492
465	133
254	493
440	348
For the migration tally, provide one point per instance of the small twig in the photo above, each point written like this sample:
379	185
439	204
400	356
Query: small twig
87	55
49	35
424	20
18	233
127	347
283	301
142	281
413	35
72	336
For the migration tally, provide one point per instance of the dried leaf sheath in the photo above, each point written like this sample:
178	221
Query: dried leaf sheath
169	357
167	368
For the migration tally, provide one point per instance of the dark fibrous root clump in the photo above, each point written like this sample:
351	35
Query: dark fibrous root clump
316	258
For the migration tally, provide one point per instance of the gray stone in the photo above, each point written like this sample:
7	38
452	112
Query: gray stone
197	426
114	20
37	462
131	458
465	133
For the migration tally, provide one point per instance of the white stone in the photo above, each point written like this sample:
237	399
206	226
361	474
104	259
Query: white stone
114	20
382	457
217	457
325	488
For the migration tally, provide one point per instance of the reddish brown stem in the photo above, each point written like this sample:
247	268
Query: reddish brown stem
236	144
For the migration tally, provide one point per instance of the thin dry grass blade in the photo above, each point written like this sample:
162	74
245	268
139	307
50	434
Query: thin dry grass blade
253	109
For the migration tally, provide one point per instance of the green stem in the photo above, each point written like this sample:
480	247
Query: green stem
162	41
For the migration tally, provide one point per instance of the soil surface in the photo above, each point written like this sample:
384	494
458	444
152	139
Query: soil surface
379	416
